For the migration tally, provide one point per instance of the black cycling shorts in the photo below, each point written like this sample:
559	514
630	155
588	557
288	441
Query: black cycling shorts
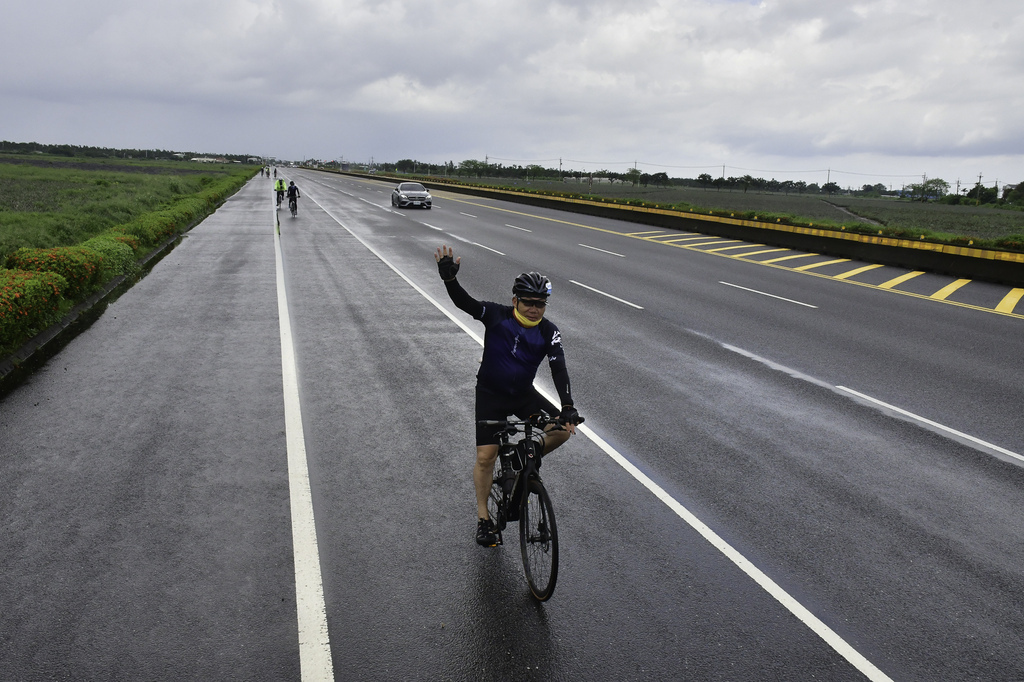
492	406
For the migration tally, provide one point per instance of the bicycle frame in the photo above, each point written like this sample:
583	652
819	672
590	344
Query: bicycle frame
526	501
527	449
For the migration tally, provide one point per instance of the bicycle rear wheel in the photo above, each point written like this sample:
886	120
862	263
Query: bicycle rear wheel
538	538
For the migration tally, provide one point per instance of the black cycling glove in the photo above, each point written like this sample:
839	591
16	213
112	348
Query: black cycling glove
570	415
447	268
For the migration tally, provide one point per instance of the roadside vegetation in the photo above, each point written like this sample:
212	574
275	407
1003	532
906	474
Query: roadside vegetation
71	224
978	216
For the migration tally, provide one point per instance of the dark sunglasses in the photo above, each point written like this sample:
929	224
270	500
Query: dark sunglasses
533	303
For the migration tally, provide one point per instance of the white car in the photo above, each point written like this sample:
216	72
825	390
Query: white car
410	194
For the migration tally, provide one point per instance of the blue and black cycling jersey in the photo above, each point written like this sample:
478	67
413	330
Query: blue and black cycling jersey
512	352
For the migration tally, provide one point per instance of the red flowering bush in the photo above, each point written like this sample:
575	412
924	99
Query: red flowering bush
29	302
82	268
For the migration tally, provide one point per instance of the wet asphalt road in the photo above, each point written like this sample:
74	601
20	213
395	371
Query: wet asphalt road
145	490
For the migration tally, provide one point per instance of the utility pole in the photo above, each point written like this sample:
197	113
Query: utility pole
977	199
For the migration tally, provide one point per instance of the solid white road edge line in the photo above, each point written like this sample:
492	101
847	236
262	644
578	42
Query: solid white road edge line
315	663
792	605
762	293
959	435
763	581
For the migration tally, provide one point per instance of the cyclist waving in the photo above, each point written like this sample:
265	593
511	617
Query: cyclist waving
517	339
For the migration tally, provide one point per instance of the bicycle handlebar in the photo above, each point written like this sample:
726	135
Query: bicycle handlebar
534	420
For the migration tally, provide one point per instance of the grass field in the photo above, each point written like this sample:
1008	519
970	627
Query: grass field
985	225
56	201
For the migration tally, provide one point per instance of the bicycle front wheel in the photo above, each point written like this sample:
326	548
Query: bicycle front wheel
538	537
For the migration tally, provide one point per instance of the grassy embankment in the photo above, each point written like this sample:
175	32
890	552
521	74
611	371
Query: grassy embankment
69	226
962	225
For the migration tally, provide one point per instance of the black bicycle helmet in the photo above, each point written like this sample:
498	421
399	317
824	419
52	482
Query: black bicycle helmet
531	284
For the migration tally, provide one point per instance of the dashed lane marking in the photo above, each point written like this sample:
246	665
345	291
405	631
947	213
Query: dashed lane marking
801	268
715	241
741	256
857	271
605	293
785	258
896	281
838	644
679	240
1010	301
729	248
945	292
764	293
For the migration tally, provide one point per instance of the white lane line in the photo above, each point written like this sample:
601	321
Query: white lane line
468	215
433	228
314	643
941	427
518	228
451	316
819	628
373	204
762	293
767	584
488	248
594	248
965	438
603	293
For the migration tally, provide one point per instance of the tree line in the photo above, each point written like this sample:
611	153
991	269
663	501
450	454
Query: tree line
929	189
73	151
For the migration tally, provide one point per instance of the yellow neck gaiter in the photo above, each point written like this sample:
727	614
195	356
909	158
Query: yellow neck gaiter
523	321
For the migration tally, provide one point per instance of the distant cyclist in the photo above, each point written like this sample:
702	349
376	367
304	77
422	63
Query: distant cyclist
517	339
293	197
280	188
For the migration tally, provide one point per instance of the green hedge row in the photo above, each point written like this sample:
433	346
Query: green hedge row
81	268
40	285
29	302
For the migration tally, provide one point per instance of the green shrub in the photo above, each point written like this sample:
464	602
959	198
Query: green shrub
126	239
81	268
29	302
119	258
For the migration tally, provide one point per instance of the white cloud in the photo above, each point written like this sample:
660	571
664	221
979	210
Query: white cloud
792	83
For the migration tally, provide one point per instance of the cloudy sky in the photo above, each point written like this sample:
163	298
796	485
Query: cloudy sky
876	90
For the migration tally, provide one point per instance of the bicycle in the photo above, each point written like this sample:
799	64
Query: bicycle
518	494
293	206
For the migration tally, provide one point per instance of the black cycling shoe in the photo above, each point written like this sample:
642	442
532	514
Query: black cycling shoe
485	533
